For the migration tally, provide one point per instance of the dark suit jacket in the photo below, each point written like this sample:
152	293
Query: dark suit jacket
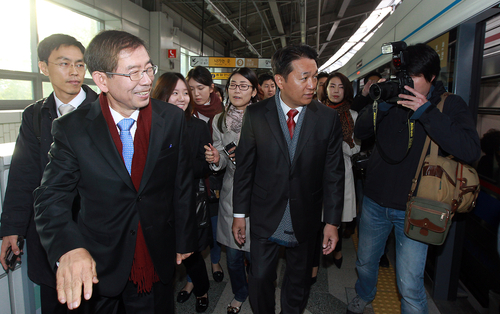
26	169
84	160
266	178
199	135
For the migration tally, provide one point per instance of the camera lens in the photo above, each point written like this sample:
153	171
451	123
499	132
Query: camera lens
375	92
384	91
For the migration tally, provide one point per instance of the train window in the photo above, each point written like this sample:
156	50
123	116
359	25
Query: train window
16	55
68	22
16	90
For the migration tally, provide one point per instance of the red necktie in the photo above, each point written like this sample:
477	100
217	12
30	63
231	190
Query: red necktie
290	122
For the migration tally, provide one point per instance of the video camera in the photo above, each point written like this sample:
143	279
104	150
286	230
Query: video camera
388	91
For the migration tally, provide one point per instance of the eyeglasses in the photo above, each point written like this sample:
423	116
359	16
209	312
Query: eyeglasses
80	66
138	75
243	87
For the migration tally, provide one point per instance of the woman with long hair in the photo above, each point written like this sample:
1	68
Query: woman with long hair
242	87
338	94
206	105
173	88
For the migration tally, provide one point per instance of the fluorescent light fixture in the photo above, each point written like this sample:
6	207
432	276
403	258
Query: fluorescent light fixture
239	35
365	32
236	32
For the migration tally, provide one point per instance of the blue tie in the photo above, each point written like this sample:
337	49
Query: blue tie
127	142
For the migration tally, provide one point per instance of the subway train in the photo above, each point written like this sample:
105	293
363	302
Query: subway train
466	34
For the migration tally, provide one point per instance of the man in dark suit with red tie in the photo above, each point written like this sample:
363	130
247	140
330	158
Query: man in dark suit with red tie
289	165
127	157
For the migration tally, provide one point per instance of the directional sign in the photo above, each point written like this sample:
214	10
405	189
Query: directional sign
227	62
220	76
265	64
222	62
203	61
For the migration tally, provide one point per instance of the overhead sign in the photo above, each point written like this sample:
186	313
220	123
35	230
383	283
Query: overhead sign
221	62
227	62
196	61
220	76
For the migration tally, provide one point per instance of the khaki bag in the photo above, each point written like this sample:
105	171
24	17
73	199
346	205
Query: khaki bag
446	186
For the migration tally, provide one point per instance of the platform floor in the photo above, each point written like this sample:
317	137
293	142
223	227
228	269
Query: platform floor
330	294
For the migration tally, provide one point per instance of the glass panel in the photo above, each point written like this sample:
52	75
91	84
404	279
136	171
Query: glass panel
47	89
16	18
67	22
16	90
95	88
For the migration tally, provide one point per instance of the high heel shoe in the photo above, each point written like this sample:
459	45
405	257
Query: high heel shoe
338	262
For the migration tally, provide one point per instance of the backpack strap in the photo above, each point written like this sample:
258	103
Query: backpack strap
37	119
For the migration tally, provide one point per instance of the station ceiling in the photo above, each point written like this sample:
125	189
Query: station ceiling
271	24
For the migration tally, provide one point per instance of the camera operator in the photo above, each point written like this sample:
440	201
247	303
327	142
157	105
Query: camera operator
392	167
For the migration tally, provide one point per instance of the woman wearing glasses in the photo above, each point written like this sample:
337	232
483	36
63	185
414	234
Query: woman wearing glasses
242	90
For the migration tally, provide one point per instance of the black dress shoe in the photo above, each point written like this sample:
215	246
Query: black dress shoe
183	296
201	304
218	275
338	262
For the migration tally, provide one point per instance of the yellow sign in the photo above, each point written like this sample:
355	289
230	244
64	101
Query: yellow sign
440	44
220	76
221	62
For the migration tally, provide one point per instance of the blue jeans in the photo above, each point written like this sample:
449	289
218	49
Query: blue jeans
237	272
215	250
375	226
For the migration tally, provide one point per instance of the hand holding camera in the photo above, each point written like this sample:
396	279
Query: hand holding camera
410	101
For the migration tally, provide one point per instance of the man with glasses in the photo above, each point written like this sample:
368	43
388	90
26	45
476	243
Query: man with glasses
127	157
61	59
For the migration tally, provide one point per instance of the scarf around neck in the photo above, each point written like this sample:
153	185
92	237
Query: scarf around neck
345	120
234	119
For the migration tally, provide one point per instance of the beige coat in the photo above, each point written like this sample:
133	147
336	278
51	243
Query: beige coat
225	220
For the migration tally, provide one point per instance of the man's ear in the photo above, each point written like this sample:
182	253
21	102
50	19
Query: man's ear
432	79
101	80
279	80
42	65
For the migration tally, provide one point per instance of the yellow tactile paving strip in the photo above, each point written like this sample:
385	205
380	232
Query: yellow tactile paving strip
387	299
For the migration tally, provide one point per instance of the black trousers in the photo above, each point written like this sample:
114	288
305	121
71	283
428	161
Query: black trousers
296	282
197	270
49	302
159	301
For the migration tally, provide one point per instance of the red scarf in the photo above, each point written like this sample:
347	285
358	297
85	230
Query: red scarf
142	273
345	120
210	110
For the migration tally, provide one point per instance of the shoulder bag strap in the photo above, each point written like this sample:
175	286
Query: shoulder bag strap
433	153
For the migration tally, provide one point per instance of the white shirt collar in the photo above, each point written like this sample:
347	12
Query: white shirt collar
286	109
75	102
118	117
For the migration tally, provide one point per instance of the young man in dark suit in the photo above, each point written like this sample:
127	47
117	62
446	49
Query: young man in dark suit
61	59
289	165
127	157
